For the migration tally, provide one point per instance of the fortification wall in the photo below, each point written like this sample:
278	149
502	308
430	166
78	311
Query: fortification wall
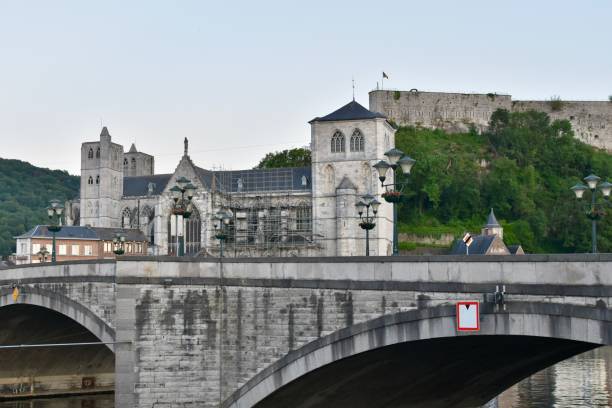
591	120
456	112
453	112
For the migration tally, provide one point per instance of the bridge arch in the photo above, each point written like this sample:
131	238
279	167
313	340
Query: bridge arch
36	296
340	369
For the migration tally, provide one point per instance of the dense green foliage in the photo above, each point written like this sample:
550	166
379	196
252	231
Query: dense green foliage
522	167
298	157
25	191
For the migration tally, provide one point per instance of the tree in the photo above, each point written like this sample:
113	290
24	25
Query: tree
298	157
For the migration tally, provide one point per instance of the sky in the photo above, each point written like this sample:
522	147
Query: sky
240	79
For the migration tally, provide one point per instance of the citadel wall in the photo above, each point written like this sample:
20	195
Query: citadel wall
456	112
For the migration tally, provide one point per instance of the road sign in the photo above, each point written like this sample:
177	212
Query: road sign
467	239
468	316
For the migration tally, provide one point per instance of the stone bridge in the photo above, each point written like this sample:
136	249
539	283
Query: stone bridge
299	332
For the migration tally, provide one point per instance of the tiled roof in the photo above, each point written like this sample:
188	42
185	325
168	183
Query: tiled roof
84	232
139	185
480	245
351	111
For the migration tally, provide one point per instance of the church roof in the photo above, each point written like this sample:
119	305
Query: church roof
104	132
492	221
133	149
259	180
139	185
351	111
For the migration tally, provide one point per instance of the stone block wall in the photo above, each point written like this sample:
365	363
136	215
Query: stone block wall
456	112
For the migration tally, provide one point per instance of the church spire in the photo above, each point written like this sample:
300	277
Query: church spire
186	142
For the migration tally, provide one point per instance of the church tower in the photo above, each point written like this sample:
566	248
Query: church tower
345	145
101	182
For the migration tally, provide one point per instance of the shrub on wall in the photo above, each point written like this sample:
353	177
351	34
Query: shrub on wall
396	95
610	98
556	104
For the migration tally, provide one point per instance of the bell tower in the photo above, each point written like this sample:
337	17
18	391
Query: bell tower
345	145
101	182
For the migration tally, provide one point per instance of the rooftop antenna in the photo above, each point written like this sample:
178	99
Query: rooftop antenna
353	88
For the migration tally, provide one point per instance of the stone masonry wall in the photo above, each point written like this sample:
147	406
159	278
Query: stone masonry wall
454	112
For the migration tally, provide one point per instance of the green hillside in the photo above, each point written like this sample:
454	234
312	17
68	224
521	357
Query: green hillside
523	168
25	191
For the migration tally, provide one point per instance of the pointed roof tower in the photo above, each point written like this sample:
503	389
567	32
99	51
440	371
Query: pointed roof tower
492	221
133	149
104	132
492	227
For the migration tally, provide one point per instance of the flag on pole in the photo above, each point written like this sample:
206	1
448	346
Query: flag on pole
385	75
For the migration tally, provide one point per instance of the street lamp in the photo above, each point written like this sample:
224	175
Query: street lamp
43	254
221	220
367	220
119	244
595	211
54	211
397	159
182	194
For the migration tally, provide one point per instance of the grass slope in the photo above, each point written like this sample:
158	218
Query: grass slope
25	191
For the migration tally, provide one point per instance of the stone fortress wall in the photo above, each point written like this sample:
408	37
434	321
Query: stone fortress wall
456	112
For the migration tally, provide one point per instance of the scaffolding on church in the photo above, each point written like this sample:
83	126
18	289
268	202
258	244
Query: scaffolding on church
270	213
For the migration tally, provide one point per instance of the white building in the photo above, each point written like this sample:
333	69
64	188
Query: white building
274	212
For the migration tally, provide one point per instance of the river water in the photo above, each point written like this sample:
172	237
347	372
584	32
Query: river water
584	381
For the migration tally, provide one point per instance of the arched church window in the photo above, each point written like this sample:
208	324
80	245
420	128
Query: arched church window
337	142
98	153
125	164
90	180
126	216
133	163
357	142
97	179
90	154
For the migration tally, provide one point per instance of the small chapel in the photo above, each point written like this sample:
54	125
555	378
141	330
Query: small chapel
308	211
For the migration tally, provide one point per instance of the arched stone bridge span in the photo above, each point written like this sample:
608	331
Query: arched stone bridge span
309	332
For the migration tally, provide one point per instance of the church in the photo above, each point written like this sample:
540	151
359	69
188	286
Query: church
307	211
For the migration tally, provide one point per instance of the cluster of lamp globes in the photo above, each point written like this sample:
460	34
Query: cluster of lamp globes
592	184
396	158
55	211
182	189
222	218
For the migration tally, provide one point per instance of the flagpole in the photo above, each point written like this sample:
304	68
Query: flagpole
382	82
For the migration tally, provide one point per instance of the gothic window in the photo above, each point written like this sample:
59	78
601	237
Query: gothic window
90	154
337	142
125	164
126	216
357	143
90	180
329	179
133	163
97	179
98	153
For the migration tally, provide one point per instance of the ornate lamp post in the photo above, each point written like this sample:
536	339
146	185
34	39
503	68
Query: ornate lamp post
119	244
43	254
595	210
221	220
182	194
54	211
397	159
367	220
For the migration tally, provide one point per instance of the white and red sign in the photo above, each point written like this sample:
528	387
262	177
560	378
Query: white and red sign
468	316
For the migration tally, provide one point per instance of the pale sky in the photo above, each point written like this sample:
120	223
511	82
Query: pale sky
240	79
